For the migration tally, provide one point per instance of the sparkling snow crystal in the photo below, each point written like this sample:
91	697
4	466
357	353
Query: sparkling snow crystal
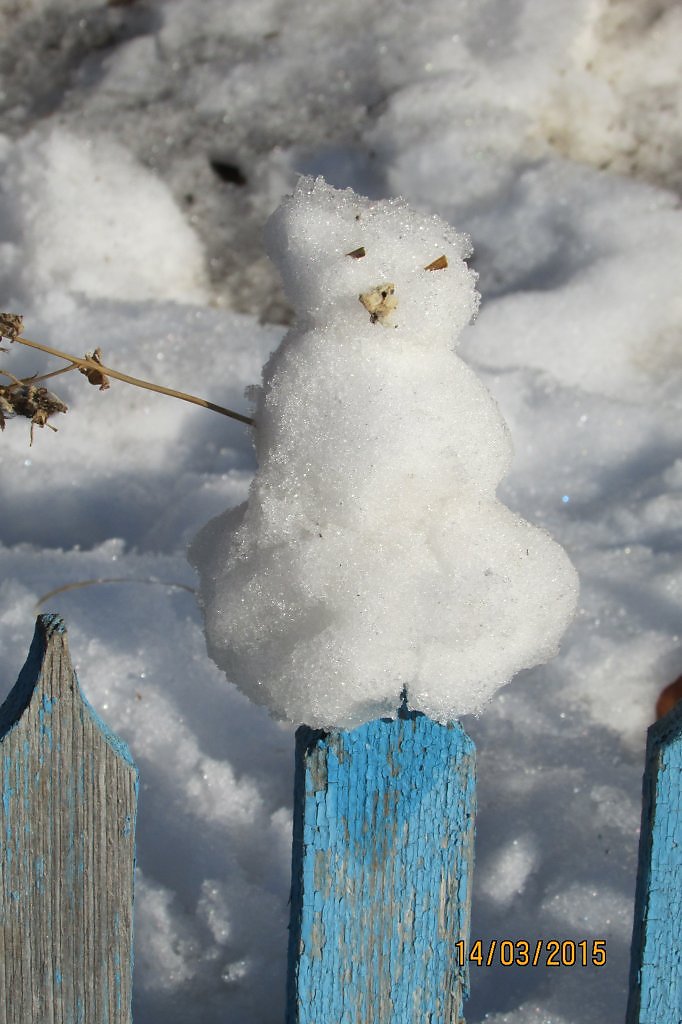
372	553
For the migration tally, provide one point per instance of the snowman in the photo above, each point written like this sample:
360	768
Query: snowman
372	556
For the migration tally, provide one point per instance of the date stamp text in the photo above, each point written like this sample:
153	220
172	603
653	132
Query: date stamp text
542	953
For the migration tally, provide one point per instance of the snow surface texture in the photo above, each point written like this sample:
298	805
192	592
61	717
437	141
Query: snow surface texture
578	339
372	555
77	206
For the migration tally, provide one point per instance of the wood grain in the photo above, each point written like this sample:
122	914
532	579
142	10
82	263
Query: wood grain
381	880
656	963
67	849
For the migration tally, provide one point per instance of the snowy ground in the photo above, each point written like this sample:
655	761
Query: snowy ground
143	148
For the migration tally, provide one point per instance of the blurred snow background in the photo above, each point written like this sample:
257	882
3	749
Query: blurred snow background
143	145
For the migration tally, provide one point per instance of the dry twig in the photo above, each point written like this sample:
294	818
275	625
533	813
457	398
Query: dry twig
22	397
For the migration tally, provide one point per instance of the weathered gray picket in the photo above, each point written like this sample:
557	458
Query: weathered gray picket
67	841
381	879
656	959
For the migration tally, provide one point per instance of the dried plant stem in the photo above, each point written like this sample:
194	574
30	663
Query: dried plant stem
38	377
109	579
90	364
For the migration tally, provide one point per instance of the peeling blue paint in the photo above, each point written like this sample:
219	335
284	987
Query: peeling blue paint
381	879
656	963
46	780
40	874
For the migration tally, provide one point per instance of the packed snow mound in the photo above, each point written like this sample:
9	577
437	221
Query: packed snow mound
87	219
372	553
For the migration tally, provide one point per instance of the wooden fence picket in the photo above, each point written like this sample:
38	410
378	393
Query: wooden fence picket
67	849
381	880
656	957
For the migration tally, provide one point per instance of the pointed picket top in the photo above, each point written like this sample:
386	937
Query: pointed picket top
656	958
381	879
67	848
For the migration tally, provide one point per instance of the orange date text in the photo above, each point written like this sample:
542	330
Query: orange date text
541	953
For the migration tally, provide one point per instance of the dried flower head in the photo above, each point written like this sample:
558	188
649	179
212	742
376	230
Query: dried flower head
11	325
96	377
21	398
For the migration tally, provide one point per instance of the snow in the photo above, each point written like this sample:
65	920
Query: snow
372	556
551	135
79	206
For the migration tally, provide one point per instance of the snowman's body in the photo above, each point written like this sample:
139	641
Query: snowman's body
372	554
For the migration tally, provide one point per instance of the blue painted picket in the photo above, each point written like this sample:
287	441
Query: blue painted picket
381	879
656	961
67	848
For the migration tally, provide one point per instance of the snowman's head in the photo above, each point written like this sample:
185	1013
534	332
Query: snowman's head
351	263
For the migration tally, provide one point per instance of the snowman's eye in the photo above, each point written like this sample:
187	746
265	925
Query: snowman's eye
438	264
357	254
